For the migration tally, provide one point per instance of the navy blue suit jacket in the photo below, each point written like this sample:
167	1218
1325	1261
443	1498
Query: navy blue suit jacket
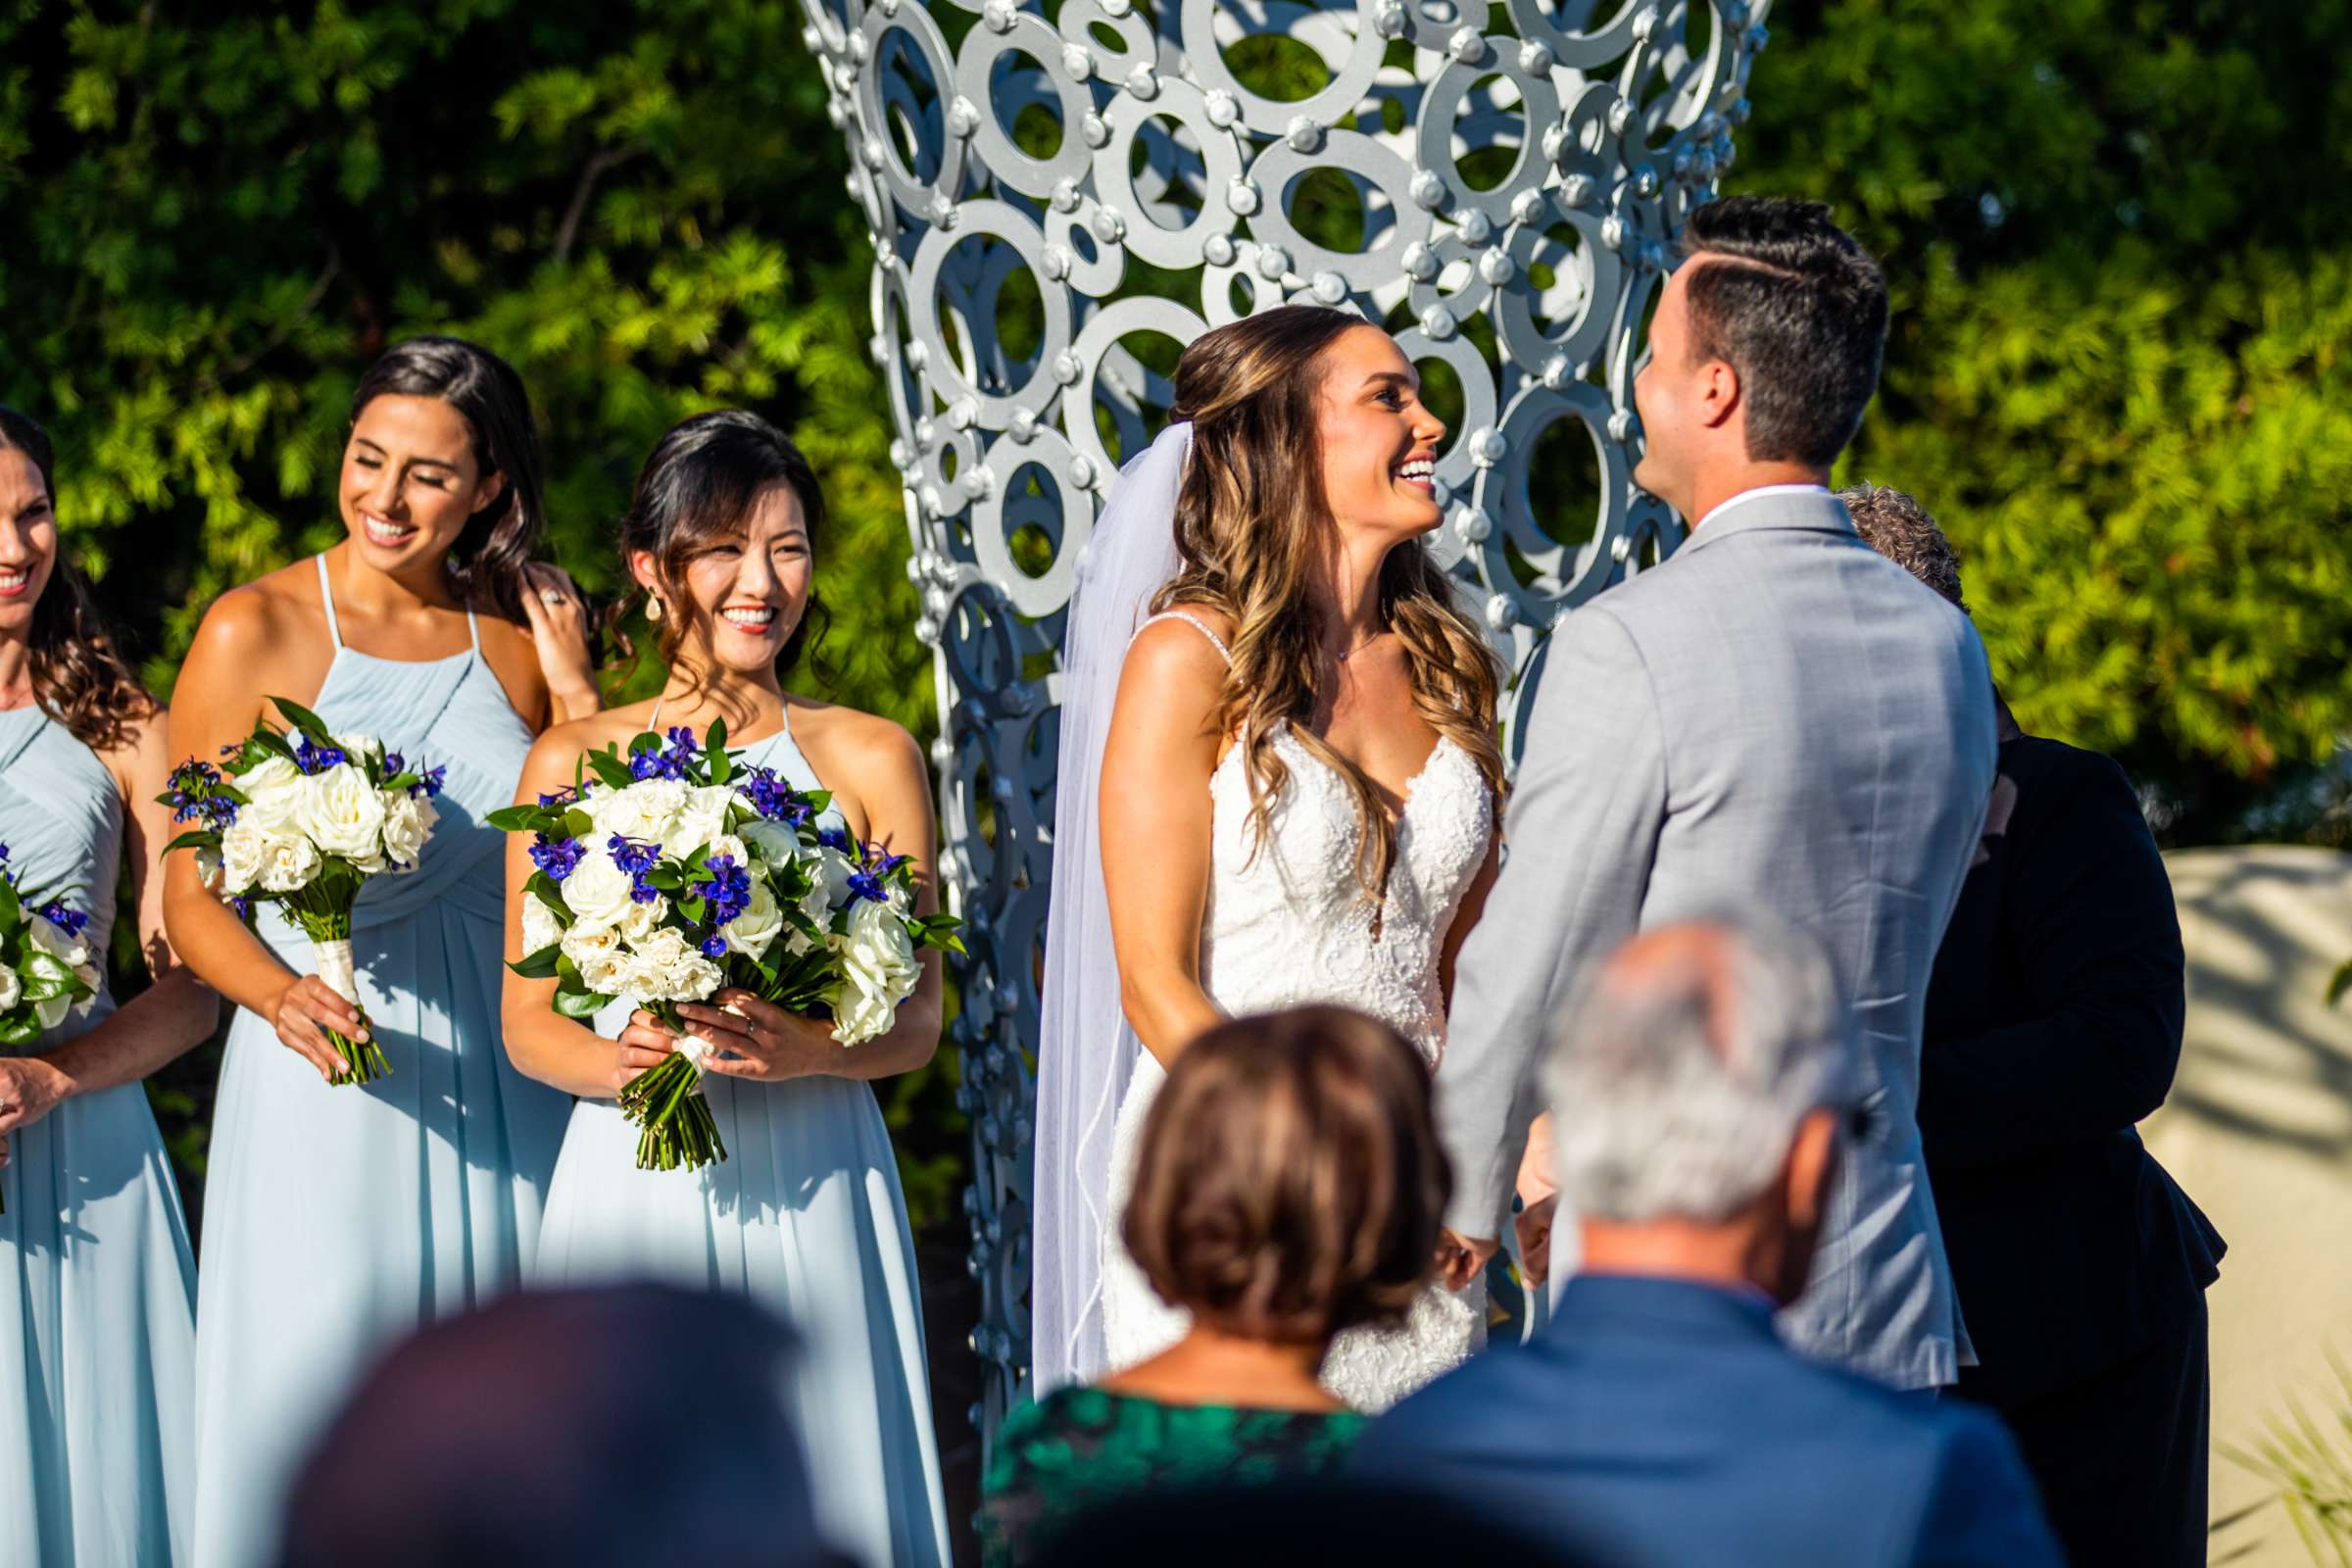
1657	1422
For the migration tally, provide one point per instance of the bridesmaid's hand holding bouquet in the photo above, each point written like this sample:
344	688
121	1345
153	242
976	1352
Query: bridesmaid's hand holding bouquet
302	820
47	966
670	872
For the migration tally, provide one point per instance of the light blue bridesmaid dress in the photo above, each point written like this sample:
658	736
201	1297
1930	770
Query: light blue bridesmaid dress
805	1215
339	1218
97	1353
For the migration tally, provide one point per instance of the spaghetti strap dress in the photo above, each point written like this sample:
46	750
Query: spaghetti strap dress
97	1330
807	1217
338	1218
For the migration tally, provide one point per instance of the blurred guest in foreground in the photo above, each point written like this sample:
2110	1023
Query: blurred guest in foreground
1701	1093
1288	1187
1318	1520
626	1426
2053	1025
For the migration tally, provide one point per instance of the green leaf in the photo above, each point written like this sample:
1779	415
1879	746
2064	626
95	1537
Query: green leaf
550	893
581	1004
519	819
302	718
2339	983
540	966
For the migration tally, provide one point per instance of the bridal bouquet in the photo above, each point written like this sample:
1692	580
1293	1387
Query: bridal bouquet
47	967
302	820
671	871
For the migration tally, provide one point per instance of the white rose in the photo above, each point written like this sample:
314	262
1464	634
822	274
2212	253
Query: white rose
208	867
271	789
243	847
541	928
701	820
776	843
831	870
641	920
52	1012
597	953
598	890
11	988
664	969
288	862
342	813
878	972
645	810
58	942
409	821
357	745
751	932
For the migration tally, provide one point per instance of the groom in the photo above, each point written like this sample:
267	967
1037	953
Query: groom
1775	716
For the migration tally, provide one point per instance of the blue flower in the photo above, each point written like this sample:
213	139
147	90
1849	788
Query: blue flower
70	921
871	878
633	856
429	783
310	757
642	890
557	857
835	838
774	798
726	888
242	905
395	764
714	947
562	797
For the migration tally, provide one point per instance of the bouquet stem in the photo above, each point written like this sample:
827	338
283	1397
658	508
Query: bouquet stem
666	1103
331	949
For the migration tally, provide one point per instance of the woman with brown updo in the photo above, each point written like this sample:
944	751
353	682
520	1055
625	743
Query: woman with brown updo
1288	1187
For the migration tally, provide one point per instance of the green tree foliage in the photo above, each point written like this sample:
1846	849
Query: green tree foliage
2121	371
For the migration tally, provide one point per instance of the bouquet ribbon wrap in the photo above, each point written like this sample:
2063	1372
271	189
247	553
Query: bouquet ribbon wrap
331	955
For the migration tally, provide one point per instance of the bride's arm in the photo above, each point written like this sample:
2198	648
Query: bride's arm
1465	918
1154	811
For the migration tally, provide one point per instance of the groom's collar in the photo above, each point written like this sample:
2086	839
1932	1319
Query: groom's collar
1808	507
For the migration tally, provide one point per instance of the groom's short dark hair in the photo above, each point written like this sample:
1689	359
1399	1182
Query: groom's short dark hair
1790	302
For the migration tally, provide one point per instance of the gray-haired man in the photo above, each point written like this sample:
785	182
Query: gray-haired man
1702	1091
1775	716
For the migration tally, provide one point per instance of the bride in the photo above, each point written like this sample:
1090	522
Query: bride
1290	727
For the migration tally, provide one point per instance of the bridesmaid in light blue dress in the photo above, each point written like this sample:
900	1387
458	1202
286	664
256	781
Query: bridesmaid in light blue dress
96	1324
806	1214
338	1217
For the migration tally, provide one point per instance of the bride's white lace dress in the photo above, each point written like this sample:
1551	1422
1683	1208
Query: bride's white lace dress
1289	926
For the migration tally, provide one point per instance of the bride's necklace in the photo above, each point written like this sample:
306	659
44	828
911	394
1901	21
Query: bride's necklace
1347	654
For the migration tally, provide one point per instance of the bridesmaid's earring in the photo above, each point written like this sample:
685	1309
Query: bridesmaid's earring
653	607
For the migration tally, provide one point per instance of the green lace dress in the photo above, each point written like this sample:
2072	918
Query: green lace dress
1082	1448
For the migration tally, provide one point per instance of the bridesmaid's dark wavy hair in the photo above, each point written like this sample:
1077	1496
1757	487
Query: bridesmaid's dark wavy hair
499	540
79	678
700	483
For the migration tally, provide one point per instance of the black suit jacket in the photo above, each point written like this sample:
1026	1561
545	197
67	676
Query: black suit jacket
2053	1026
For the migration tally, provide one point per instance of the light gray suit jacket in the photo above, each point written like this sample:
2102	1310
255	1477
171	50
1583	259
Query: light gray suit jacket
1778	717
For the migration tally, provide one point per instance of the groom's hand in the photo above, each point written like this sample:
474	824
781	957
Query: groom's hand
1461	1258
1534	1226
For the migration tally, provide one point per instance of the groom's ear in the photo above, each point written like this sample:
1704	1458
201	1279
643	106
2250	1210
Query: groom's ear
1719	393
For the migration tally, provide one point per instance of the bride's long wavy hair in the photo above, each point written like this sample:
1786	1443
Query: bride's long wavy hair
1252	528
